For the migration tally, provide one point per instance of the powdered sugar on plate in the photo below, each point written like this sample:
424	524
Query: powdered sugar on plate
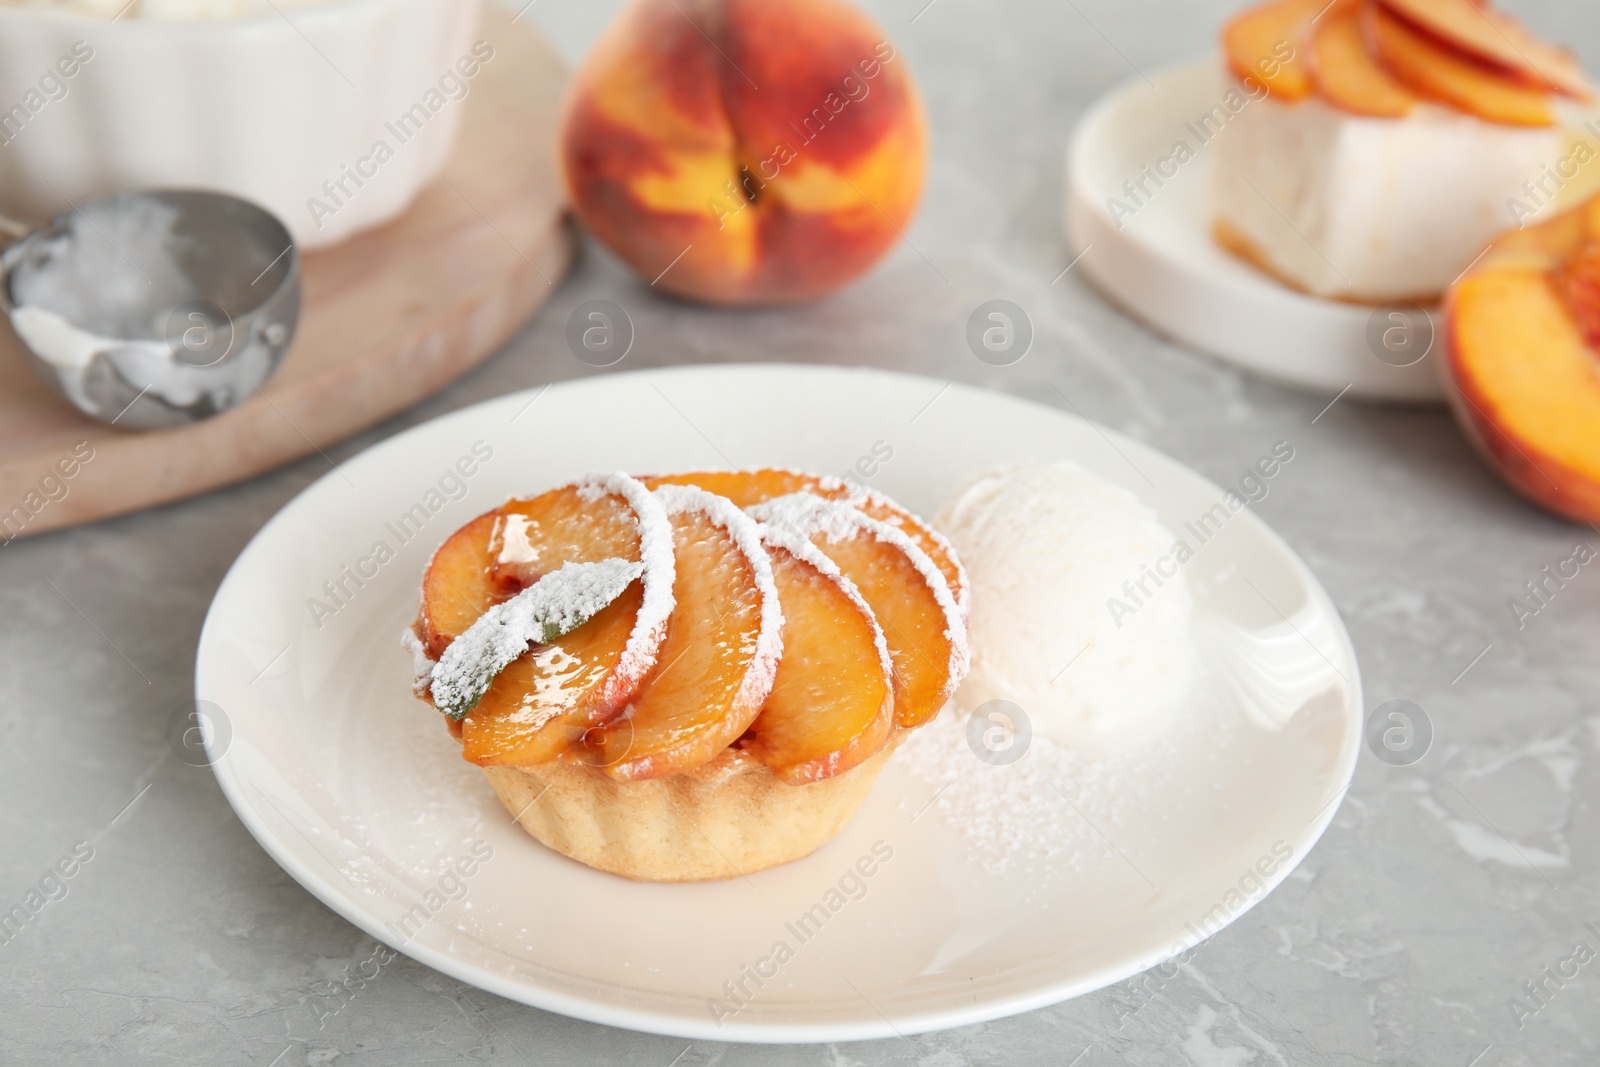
807	515
1054	812
719	510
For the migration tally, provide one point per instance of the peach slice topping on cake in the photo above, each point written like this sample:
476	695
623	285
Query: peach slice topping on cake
832	700
1494	38
1346	73
724	640
1380	58
749	487
1437	72
922	625
543	701
1261	44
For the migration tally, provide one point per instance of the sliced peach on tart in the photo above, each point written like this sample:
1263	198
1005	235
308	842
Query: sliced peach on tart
743	487
921	623
506	550
1523	360
1263	44
1437	72
1497	39
832	700
724	639
536	705
1346	73
459	584
877	506
750	487
540	705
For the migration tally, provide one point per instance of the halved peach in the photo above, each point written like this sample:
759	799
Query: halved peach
1266	43
1496	38
921	623
832	700
1437	72
723	642
1579	282
542	702
1347	74
1523	328
749	487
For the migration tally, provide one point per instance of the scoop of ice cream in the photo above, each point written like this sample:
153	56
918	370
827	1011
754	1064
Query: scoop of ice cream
1070	620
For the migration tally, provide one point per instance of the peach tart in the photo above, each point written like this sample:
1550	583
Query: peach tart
692	676
1372	147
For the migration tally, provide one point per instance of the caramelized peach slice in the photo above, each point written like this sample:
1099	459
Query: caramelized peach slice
458	585
723	643
832	699
921	623
1347	75
542	702
1523	326
1265	43
471	571
1496	38
1441	74
749	487
745	487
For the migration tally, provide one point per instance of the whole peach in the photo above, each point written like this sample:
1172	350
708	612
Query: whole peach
744	151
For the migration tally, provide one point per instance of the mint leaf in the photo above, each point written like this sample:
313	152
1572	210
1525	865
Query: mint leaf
556	604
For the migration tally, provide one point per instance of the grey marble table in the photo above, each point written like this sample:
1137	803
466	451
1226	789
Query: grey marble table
1441	892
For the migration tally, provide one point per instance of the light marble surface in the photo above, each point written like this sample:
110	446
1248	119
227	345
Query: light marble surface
1438	892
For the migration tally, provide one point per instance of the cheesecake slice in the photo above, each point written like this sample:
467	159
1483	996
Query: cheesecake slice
1387	141
1373	210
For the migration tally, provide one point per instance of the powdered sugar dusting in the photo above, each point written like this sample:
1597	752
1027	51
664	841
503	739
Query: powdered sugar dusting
1054	812
719	510
807	515
963	591
857	495
421	662
807	552
556	604
660	574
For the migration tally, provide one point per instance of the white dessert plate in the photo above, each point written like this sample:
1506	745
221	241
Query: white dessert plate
355	788
1161	264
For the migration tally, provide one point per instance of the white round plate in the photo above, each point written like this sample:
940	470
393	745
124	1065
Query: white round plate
1163	266
357	790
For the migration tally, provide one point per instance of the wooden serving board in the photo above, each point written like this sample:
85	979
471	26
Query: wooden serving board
389	317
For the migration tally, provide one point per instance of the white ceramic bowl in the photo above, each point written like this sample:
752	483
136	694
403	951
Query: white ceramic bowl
268	108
